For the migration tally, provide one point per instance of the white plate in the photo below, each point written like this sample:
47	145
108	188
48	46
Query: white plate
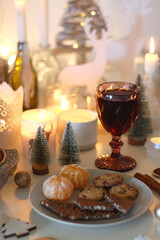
142	202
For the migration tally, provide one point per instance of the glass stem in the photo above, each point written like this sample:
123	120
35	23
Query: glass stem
116	145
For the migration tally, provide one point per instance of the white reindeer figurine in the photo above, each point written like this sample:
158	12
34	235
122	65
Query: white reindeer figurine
123	52
90	73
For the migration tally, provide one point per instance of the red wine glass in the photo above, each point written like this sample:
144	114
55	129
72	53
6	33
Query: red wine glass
117	105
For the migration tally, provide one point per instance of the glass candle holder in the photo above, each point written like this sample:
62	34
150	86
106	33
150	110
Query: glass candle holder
60	97
30	121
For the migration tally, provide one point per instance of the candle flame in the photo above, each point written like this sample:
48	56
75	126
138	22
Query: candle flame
64	103
41	115
19	2
152	45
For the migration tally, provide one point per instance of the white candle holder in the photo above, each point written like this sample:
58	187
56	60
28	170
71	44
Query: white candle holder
30	121
84	123
11	103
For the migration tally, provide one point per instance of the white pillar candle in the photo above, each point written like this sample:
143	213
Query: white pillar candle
84	124
20	8
151	59
30	121
44	23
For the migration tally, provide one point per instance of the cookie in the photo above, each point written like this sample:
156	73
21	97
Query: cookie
92	192
72	212
93	205
124	191
121	204
108	180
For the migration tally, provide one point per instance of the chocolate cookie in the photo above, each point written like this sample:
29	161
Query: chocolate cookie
124	191
108	180
93	205
92	192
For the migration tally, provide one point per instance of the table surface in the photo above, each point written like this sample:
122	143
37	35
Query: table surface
14	201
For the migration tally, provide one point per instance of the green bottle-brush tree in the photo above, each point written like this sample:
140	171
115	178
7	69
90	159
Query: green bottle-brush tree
142	126
69	150
40	155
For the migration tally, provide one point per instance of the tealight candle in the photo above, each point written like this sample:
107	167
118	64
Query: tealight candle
30	121
84	124
153	147
20	7
61	98
151	59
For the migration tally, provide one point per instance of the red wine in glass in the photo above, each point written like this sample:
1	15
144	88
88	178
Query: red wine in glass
117	105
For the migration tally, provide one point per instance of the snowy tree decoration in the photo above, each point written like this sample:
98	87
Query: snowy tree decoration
69	151
138	133
40	155
89	74
75	12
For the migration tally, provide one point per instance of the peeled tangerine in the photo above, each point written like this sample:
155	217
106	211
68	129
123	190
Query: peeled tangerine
58	188
78	175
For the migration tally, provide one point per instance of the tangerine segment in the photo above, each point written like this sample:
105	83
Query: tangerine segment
78	175
58	188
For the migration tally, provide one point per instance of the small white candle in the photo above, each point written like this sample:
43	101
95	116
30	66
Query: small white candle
84	124
151	59
30	121
20	7
44	23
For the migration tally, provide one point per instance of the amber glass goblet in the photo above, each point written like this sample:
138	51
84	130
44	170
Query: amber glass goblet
117	105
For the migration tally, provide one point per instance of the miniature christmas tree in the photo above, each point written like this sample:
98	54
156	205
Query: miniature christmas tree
40	155
69	151
143	125
73	37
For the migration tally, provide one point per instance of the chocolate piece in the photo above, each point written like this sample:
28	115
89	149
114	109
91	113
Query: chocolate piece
70	211
93	205
121	204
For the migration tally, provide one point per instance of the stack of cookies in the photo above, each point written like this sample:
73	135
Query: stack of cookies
108	197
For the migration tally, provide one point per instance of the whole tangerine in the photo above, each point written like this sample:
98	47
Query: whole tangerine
57	188
78	175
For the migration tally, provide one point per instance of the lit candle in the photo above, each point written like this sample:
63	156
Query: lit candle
84	124
62	99
20	7
151	59
44	23
30	121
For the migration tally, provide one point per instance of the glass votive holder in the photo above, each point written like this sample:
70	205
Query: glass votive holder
30	121
153	147
59	97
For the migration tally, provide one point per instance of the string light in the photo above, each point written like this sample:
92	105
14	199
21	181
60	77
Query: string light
83	14
93	13
75	45
82	24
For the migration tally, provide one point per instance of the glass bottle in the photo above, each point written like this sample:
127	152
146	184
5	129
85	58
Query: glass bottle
24	74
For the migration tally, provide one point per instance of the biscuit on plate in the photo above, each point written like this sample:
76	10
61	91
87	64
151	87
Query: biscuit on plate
124	191
92	192
108	180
